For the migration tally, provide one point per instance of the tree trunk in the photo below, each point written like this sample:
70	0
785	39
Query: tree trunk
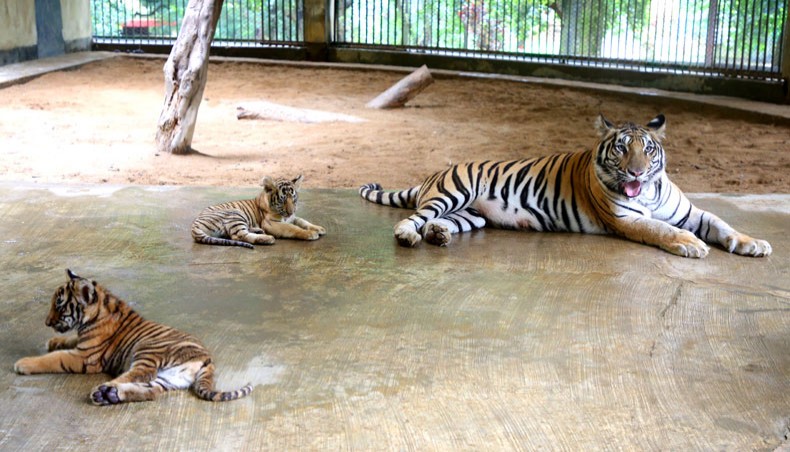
185	76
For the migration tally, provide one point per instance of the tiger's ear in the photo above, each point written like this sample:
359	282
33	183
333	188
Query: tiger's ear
297	182
71	274
268	183
87	291
602	125
658	126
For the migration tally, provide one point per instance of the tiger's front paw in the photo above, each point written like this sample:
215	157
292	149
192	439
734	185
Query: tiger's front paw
57	343
310	235
105	395
24	366
406	234
747	246
687	244
264	239
437	234
319	229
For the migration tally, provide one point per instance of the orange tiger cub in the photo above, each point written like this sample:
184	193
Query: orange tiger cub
256	221
145	357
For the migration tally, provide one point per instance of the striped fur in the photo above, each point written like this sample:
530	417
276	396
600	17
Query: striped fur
256	221
619	187
146	358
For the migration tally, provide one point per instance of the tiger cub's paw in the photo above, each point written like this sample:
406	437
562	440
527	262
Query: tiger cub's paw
319	229
747	246
311	235
406	234
686	244
105	395
437	234
24	366
57	343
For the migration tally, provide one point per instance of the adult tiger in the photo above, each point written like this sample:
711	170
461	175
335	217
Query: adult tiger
146	357
618	187
258	220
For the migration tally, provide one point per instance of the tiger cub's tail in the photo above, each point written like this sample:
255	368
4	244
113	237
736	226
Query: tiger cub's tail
204	386
406	199
201	237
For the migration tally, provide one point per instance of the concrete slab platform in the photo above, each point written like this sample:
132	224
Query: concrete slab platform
27	70
503	341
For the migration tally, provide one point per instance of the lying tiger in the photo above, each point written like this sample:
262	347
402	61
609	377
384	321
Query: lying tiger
146	357
618	187
256	221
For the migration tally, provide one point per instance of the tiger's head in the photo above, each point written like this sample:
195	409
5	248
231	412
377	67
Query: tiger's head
70	303
282	194
629	156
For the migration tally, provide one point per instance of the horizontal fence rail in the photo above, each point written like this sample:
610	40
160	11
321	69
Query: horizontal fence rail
243	23
718	38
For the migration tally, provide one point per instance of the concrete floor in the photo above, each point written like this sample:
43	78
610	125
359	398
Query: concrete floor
504	341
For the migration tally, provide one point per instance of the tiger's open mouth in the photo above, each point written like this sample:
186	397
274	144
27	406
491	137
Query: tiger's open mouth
631	188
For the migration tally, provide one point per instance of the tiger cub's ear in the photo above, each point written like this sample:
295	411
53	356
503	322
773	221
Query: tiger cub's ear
86	290
603	126
658	126
297	182
268	184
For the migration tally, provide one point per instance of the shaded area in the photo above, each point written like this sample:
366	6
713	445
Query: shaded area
505	340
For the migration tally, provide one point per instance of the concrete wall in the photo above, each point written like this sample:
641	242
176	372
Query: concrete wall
77	31
21	39
17	31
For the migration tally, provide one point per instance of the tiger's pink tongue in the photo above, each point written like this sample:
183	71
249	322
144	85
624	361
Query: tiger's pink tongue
632	188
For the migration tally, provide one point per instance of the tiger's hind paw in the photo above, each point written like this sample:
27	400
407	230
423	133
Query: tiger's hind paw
437	234
406	235
104	395
746	246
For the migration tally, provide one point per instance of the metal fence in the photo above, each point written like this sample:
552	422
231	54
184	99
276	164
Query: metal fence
713	37
243	23
741	38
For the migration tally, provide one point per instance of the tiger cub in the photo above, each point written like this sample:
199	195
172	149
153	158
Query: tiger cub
145	357
618	187
256	221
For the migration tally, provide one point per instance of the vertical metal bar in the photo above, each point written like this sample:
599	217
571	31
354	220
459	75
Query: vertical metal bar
762	37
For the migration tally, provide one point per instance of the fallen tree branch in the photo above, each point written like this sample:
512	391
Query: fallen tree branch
403	91
277	112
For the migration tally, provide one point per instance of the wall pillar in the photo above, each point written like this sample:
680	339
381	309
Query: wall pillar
786	55
316	29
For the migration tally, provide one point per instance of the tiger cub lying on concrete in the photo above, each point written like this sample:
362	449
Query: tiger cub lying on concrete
256	221
146	358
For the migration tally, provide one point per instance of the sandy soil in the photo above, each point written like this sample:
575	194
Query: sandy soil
97	124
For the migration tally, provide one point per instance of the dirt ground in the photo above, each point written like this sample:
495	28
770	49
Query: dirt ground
97	124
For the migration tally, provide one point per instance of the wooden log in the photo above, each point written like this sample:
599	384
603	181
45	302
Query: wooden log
186	71
403	91
276	112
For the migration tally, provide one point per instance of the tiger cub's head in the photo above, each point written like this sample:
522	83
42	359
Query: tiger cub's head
629	156
282	194
70	302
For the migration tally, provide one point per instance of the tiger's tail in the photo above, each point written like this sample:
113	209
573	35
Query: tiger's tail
406	199
204	386
202	237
